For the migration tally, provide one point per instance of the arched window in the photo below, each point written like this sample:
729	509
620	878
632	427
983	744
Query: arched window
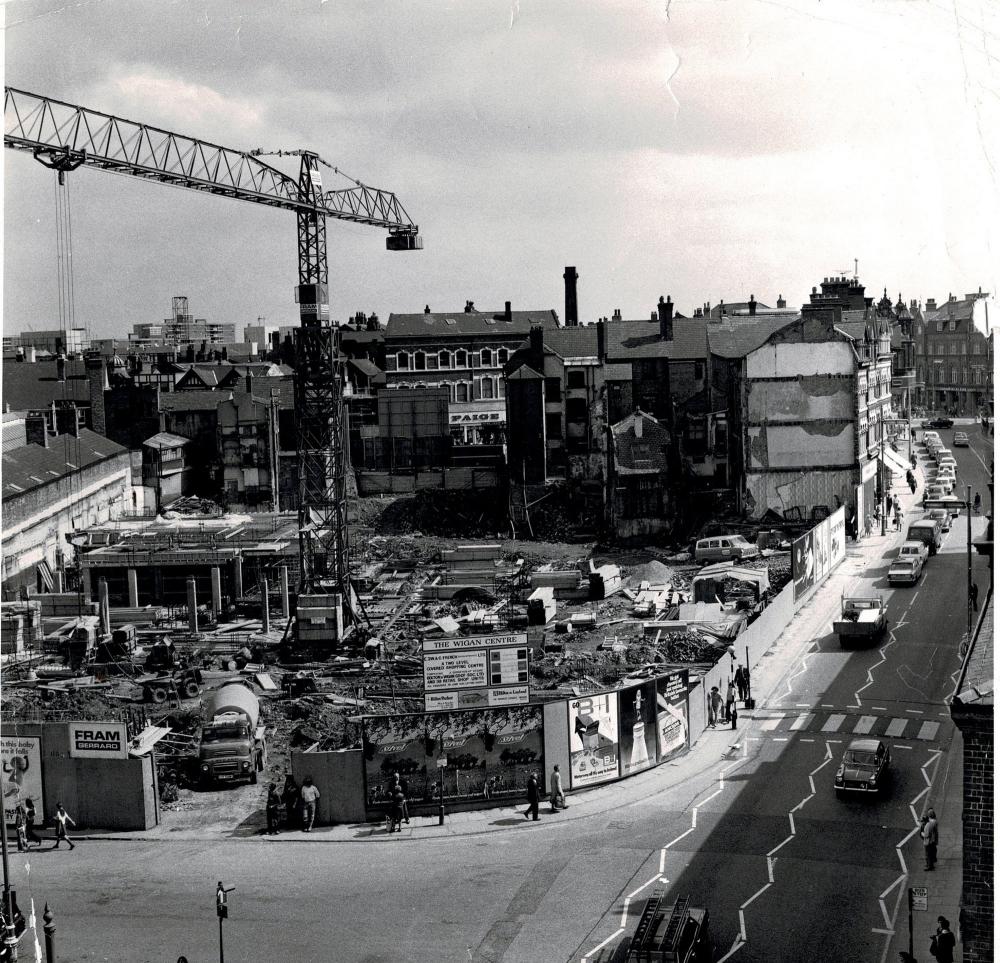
502	355
487	388
420	361
403	361
500	388
461	359
486	358
462	391
444	359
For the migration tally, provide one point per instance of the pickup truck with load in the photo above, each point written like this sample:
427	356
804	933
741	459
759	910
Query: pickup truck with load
861	620
231	745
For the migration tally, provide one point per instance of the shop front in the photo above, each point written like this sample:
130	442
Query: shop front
477	422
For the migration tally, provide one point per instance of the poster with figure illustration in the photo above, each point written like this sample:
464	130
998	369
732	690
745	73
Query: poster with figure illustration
671	714
637	727
593	739
21	760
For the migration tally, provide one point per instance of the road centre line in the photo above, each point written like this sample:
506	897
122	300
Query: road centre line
763	889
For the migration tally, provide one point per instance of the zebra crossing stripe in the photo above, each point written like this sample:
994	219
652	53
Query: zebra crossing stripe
928	730
803	720
864	725
896	728
769	725
834	723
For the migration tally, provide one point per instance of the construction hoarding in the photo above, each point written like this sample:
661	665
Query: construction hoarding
490	754
672	727
817	553
475	672
637	727
593	739
21	760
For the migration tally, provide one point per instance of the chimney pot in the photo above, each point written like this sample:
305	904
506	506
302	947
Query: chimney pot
753	306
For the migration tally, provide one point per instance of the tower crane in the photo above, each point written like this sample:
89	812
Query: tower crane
65	136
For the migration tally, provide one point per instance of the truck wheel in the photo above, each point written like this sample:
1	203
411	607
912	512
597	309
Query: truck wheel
191	689
158	695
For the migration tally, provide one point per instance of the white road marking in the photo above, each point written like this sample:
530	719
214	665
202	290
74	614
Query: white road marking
806	740
834	723
896	728
827	705
801	705
602	944
864	725
802	721
769	725
779	739
928	730
918	712
899	746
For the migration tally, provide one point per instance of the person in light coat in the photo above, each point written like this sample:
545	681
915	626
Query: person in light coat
556	795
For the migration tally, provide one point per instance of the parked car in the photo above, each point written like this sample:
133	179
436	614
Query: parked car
938	423
940	454
934	491
864	767
904	571
931	434
928	531
724	548
941	515
961	440
944	480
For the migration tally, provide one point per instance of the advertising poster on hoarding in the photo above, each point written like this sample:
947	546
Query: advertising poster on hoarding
821	547
838	537
803	566
21	759
98	740
490	754
637	727
593	739
671	715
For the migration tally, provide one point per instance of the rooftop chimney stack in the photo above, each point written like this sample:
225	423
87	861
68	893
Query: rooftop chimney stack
569	277
536	346
665	310
602	343
617	315
506	312
753	306
932	304
781	302
427	309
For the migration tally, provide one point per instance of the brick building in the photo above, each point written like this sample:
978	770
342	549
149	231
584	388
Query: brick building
638	485
972	712
954	355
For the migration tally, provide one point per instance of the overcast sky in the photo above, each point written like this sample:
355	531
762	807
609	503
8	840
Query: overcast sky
706	149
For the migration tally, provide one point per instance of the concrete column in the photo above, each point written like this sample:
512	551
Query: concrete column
59	573
338	607
216	592
238	576
286	609
133	587
88	585
192	587
102	610
265	607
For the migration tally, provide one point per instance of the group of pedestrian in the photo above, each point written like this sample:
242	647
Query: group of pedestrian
299	804
399	808
557	797
24	826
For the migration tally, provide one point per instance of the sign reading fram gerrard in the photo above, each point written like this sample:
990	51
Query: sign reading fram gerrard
98	740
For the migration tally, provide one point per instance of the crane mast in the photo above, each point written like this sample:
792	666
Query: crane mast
65	136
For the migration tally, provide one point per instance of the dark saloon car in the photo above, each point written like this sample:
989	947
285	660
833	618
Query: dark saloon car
864	768
938	423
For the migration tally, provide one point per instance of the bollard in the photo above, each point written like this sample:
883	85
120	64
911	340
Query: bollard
50	935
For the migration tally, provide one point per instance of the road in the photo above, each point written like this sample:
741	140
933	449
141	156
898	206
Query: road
788	871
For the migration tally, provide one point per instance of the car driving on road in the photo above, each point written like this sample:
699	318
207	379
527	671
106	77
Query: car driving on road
864	768
938	423
941	515
961	440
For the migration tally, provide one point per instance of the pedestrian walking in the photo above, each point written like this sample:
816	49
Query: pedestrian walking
943	942
399	783
730	700
29	822
310	796
897	519
888	506
715	712
974	596
929	836
556	795
913	485
741	686
868	525
272	809
532	809
913	462
290	797
977	504
63	817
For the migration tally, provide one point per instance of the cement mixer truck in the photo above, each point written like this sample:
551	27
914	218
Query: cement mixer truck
231	745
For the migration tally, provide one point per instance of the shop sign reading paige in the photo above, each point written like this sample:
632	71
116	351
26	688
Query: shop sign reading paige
98	740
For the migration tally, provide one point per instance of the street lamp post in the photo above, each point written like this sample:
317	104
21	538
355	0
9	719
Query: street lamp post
9	935
222	911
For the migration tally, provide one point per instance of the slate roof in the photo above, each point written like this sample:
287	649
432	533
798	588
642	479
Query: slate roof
458	324
573	342
952	310
31	466
261	388
366	367
975	685
203	399
31	386
738	340
627	340
640	455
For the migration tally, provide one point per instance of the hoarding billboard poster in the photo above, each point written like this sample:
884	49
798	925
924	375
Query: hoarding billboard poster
803	566
98	740
490	752
671	715
21	761
821	546
838	537
637	727
593	739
